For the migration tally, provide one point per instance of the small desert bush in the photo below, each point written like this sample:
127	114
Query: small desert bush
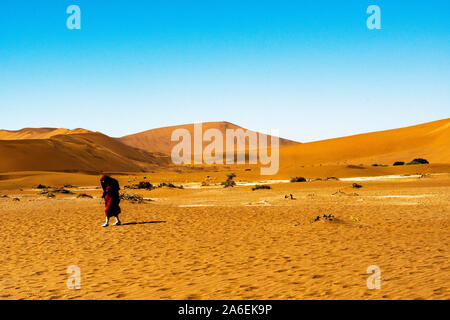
169	185
298	179
62	190
84	195
352	166
357	186
399	163
418	161
229	182
258	186
379	165
131	197
141	185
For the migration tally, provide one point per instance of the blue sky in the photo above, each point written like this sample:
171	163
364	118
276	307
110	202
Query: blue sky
311	69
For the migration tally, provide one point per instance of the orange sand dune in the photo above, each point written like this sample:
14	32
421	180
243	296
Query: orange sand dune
428	140
159	140
75	152
37	133
82	150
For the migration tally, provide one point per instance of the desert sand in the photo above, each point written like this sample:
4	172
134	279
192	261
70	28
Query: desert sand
209	242
227	243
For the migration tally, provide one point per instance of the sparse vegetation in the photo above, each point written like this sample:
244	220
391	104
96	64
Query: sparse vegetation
41	186
342	193
399	163
229	182
258	186
298	179
169	185
62	190
141	185
145	185
324	217
208	181
84	195
357	186
379	165
418	161
132	197
352	166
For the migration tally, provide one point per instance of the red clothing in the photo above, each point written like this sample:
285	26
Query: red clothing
111	194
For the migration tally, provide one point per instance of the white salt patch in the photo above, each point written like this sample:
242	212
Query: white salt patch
261	182
405	196
379	178
259	203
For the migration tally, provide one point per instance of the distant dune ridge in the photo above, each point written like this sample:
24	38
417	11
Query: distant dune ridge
51	149
158	140
37	133
429	140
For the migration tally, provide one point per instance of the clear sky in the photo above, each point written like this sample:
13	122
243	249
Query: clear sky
311	69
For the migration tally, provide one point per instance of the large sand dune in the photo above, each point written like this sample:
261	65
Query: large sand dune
159	140
81	150
75	152
429	140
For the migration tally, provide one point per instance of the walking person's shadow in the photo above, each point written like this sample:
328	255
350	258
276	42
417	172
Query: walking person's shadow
143	222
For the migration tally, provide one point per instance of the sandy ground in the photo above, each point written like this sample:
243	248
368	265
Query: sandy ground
234	243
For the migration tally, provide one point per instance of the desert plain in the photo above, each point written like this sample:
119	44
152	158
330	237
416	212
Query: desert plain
204	241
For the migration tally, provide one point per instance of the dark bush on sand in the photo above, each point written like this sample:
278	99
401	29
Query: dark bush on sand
145	185
258	186
84	195
418	161
62	190
355	185
399	163
141	185
298	179
169	185
229	182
